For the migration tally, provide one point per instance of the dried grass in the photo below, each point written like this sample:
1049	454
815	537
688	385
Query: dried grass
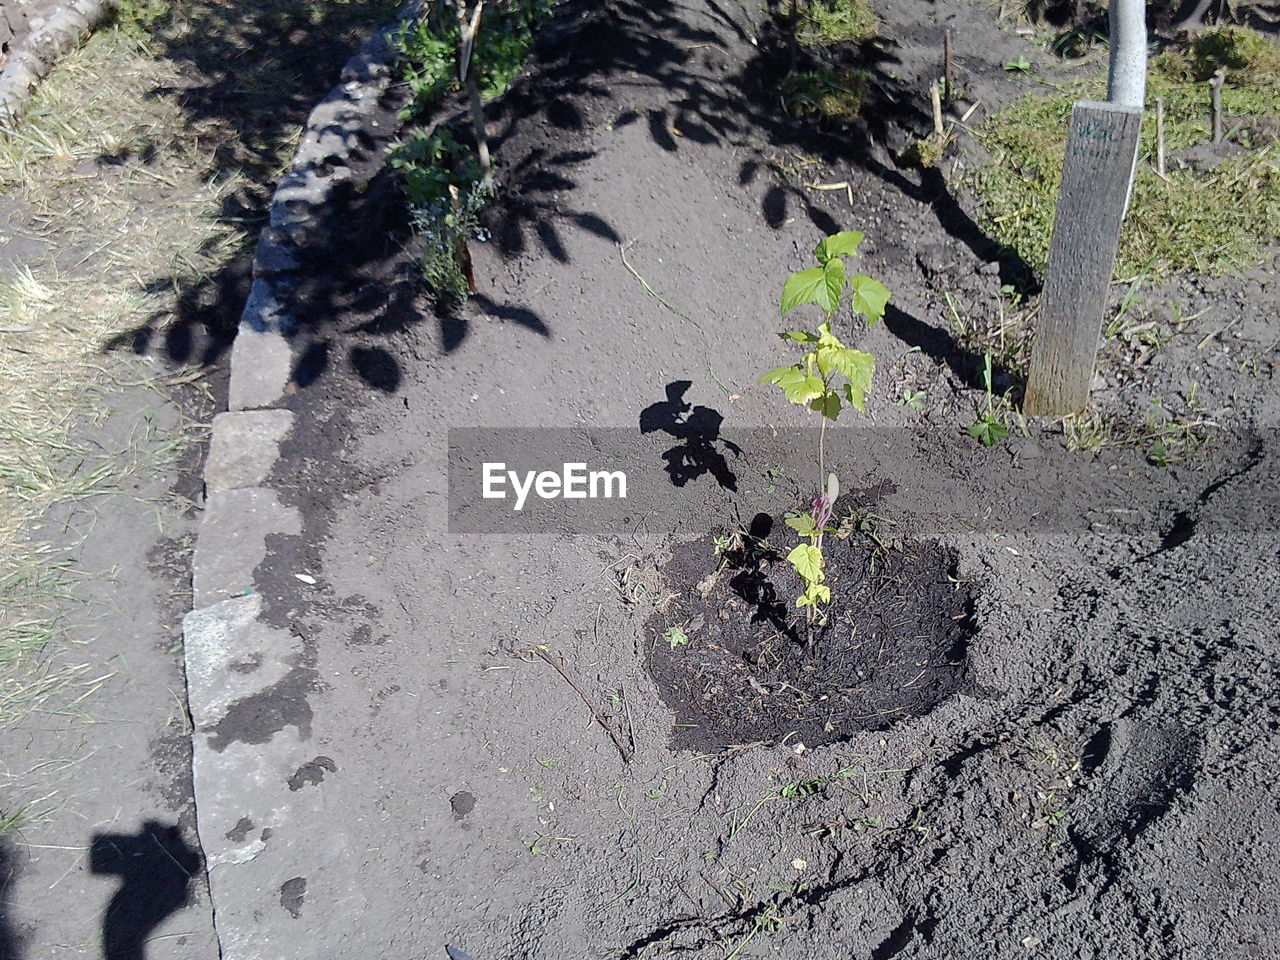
107	174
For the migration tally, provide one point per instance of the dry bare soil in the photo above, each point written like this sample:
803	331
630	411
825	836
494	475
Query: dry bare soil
1092	773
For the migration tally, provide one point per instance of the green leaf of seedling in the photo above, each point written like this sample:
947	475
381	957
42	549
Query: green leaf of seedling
803	287
799	336
857	397
828	404
843	244
833	285
799	386
777	373
857	367
676	637
869	297
802	523
987	431
807	559
826	338
815	594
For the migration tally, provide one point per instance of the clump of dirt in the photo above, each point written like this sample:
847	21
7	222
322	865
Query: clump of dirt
754	668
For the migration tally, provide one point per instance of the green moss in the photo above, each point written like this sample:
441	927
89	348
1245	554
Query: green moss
828	23
1210	222
832	94
927	152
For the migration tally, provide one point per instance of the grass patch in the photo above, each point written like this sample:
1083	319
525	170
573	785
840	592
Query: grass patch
831	94
1211	221
103	185
134	178
820	85
829	23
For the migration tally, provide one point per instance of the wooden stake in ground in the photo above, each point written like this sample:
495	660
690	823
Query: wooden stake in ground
1215	96
1101	150
468	27
948	81
1160	137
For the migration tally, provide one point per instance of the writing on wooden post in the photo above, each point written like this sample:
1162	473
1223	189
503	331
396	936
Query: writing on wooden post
1096	174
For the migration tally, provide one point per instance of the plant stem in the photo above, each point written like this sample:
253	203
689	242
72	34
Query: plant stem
822	456
468	27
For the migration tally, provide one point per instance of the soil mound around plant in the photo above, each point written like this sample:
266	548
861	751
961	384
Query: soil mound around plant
892	646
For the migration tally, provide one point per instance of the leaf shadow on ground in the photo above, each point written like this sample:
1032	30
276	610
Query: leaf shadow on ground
642	62
254	76
699	450
251	77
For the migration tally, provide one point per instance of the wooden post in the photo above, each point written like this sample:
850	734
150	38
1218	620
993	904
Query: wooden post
948	81
1215	97
1097	170
1160	137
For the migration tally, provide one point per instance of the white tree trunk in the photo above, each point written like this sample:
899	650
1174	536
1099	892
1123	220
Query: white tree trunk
1127	79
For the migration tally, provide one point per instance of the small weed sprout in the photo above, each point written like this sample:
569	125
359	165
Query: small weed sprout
813	382
676	637
987	429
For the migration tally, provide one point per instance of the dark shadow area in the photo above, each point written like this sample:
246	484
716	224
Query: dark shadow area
456	325
254	74
600	56
11	943
251	75
350	289
697	429
155	867
751	580
940	346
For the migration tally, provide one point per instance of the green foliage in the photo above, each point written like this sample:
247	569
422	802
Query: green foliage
140	17
429	165
676	637
833	94
827	89
1210	221
828	23
825	378
429	50
428	59
987	429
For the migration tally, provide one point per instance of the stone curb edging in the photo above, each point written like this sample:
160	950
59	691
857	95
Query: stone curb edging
65	30
256	828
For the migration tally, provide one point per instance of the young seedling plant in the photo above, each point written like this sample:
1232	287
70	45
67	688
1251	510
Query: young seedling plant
828	376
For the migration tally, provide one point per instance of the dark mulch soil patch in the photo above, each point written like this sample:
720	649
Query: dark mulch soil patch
893	645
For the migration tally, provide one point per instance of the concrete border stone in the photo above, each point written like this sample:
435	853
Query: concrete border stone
257	776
